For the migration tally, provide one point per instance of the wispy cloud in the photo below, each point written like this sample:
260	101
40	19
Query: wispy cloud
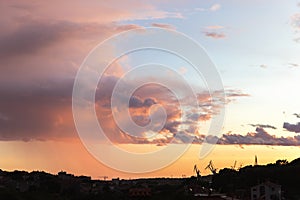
214	35
297	115
264	66
295	23
263	126
212	8
215	7
161	25
214	31
297	39
293	65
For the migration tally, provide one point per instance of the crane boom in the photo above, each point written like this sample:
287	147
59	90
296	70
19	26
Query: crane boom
197	172
211	167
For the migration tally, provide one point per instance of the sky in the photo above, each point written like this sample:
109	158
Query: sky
254	46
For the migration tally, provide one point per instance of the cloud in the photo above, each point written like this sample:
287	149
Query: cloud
295	24
292	65
297	39
297	115
42	37
136	102
34	36
41	47
212	8
215	7
213	31
263	126
235	93
139	104
263	66
259	137
161	25
96	11
38	51
3	117
214	35
292	127
41	113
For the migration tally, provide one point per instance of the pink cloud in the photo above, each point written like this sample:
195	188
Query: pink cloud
161	25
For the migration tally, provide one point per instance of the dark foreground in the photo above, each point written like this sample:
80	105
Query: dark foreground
226	184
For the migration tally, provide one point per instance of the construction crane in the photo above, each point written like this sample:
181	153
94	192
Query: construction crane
234	165
211	167
104	177
197	171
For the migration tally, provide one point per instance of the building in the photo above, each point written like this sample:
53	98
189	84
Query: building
140	192
266	191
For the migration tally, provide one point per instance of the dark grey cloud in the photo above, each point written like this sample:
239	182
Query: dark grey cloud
292	127
136	102
259	137
297	115
172	126
263	126
30	38
33	36
42	112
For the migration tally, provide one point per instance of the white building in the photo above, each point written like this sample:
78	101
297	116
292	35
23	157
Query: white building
266	191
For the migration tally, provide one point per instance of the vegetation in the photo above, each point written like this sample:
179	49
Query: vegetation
281	172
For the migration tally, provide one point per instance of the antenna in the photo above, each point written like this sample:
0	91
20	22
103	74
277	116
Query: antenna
255	161
104	177
234	165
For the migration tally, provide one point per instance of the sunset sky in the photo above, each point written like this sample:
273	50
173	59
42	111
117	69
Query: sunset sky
254	45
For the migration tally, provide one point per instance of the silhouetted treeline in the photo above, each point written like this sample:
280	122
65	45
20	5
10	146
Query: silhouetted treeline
22	185
240	181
